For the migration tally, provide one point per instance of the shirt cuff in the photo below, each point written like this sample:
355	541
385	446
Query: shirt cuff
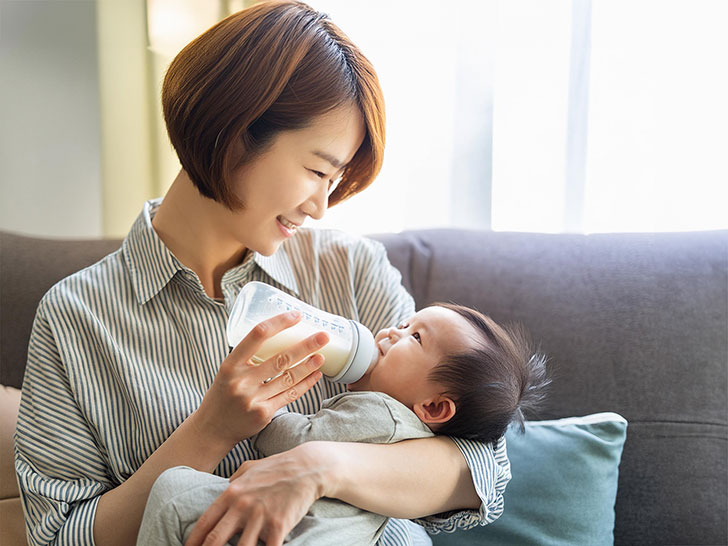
78	530
491	472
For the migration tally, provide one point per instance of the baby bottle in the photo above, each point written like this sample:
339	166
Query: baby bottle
349	353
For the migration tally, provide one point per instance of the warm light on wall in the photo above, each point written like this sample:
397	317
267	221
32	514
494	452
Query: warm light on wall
173	23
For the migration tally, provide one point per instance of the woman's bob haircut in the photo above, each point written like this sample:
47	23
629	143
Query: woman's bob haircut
272	67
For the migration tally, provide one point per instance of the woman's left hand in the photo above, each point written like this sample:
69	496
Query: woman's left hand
266	498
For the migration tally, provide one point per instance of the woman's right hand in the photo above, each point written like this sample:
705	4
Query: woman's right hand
240	402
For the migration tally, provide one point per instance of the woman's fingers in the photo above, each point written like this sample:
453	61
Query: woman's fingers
223	531
247	347
280	362
252	529
275	365
222	520
297	390
206	523
291	377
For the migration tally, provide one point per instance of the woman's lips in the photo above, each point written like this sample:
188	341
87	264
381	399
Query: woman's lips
286	222
286	226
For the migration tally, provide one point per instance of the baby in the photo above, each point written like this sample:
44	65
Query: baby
447	370
459	371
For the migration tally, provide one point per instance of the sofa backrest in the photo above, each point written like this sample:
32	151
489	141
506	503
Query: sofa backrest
633	323
29	266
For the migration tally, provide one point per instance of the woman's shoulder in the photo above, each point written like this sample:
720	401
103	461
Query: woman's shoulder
102	277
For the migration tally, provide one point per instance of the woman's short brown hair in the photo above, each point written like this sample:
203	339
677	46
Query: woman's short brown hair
274	66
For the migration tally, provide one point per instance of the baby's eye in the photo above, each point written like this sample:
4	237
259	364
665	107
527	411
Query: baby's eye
402	325
416	335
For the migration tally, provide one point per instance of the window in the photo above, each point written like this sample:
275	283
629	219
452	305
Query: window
567	115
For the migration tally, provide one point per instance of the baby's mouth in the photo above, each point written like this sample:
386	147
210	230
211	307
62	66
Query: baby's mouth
380	347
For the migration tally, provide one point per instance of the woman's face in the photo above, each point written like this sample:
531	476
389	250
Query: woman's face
290	180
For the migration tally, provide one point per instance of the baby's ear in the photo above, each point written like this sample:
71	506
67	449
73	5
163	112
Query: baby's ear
438	409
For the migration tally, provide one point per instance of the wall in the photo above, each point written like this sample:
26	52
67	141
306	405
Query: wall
50	167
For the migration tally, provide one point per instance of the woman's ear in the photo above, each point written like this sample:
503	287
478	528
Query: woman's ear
438	409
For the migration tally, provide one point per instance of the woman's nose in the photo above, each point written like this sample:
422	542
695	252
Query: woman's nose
318	202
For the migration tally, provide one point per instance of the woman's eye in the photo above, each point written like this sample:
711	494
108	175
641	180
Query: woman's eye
334	182
318	173
416	335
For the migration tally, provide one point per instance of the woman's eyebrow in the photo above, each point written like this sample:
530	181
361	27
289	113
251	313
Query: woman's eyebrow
331	159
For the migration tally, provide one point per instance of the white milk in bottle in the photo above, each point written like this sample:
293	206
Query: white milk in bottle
349	353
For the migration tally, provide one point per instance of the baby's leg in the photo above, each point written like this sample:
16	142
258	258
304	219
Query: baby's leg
330	522
177	500
181	495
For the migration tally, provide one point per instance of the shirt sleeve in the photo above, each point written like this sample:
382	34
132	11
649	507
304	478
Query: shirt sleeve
349	417
381	300
60	470
491	472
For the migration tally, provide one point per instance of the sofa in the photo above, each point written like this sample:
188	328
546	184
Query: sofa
635	324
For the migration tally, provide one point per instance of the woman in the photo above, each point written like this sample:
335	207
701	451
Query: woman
128	369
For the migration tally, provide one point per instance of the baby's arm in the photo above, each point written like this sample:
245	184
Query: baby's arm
349	417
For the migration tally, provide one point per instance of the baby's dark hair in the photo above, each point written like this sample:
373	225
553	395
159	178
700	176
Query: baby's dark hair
492	384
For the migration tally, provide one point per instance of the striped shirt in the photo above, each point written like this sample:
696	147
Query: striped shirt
124	350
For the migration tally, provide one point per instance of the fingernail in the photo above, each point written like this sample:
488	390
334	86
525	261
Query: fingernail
294	314
322	338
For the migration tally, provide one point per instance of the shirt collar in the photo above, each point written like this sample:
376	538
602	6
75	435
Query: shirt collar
152	265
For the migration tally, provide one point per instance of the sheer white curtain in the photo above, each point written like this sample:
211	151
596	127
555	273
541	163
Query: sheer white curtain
567	115
622	104
658	116
435	64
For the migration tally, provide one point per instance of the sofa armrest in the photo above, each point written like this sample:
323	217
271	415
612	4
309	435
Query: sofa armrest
12	527
9	402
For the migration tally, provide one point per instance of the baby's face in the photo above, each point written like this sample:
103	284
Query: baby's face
408	351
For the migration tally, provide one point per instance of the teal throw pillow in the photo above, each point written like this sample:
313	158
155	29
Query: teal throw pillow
563	488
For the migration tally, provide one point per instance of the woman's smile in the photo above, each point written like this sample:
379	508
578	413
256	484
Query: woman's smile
286	226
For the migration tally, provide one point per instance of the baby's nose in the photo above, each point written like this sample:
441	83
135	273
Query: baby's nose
394	334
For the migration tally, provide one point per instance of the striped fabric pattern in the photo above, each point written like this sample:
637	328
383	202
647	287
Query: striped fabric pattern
123	351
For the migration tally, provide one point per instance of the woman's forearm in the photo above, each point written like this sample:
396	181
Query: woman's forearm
409	479
119	512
